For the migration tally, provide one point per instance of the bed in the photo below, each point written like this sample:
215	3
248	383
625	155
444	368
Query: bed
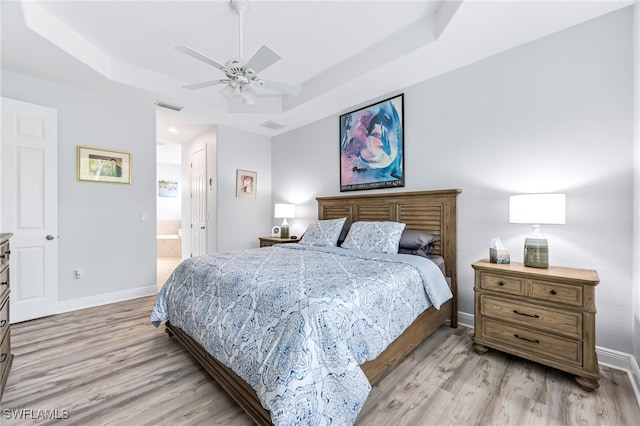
430	211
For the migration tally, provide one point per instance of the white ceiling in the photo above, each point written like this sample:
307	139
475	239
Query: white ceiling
343	53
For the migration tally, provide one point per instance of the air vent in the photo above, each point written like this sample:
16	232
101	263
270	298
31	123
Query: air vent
168	105
272	125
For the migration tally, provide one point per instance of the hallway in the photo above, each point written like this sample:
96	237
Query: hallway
166	265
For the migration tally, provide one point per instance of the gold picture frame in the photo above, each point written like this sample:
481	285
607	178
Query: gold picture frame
246	184
103	165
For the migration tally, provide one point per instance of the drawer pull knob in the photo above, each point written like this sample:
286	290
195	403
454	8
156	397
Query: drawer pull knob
4	283
3	323
553	292
515	311
500	283
528	340
3	357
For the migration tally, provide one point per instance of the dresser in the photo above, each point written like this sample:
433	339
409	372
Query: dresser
6	358
269	241
544	315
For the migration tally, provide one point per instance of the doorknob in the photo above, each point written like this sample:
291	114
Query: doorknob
50	237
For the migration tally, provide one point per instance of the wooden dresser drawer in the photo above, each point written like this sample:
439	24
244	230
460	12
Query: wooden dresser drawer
556	292
542	318
4	254
503	284
532	341
5	357
4	283
4	316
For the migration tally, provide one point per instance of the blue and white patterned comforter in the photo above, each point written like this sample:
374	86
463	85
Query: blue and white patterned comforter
295	322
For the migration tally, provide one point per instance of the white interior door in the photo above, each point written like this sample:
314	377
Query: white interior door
198	202
30	206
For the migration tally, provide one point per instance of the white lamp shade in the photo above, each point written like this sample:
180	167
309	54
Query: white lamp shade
228	91
286	211
537	208
249	95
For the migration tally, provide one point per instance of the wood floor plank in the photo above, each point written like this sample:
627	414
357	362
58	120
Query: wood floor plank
109	366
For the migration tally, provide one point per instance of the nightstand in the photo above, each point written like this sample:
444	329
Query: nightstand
544	315
269	241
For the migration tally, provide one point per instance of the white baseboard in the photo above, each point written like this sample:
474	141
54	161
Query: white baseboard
607	357
465	319
105	299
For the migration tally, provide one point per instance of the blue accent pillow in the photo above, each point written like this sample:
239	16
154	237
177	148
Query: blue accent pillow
323	233
377	237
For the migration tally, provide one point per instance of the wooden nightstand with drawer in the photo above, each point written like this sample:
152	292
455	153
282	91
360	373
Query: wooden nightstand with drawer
544	315
269	241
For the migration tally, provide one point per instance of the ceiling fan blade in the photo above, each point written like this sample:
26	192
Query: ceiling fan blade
286	88
204	84
263	58
195	54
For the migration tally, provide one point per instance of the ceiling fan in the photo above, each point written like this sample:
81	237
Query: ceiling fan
240	76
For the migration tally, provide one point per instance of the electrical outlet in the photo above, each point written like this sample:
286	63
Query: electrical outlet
78	273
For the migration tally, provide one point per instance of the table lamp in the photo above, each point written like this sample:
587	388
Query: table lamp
537	209
285	211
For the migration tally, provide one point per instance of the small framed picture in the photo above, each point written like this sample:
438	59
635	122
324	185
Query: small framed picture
167	188
103	165
275	231
246	184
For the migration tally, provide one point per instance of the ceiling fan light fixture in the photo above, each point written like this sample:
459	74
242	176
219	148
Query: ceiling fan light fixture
228	91
248	95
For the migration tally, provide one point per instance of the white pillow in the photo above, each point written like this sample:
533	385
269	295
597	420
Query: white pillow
378	237
323	233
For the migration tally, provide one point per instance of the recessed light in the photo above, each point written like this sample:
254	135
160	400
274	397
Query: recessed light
173	130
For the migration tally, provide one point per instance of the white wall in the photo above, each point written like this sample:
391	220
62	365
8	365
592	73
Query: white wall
552	115
99	223
241	221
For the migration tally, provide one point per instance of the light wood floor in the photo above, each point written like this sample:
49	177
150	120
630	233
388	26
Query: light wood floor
109	366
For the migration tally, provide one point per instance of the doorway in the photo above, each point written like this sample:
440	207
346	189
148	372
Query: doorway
30	206
169	208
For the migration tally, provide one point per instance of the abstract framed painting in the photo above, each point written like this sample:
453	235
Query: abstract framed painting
372	146
103	165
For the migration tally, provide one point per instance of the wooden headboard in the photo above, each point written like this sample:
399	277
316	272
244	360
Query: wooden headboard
431	211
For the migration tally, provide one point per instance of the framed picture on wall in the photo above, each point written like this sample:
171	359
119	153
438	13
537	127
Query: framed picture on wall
103	165
372	146
246	184
167	188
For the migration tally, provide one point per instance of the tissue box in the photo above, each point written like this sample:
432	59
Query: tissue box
499	255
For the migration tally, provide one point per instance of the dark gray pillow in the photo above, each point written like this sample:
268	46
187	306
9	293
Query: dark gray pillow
344	232
424	252
412	239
